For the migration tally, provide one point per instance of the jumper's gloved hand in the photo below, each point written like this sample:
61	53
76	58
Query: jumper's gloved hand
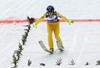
70	21
34	25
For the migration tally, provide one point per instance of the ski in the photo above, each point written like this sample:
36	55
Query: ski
59	46
44	47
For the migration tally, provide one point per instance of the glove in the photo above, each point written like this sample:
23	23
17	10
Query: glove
70	21
34	25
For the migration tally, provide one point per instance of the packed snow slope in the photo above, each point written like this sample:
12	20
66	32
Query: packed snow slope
80	39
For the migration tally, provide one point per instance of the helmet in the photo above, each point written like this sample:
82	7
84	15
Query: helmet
50	8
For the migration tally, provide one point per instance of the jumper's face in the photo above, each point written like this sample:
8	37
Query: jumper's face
50	13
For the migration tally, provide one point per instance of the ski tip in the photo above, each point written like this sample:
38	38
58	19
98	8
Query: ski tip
58	41
40	41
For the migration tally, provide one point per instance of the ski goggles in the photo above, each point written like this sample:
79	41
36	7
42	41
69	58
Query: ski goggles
50	11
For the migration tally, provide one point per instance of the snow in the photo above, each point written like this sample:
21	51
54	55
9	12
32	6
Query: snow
80	39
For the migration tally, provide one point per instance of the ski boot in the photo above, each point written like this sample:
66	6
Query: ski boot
61	49
51	50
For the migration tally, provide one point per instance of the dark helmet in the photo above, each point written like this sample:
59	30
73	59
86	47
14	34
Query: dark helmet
50	8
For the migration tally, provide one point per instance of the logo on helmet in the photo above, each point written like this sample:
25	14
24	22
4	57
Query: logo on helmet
50	8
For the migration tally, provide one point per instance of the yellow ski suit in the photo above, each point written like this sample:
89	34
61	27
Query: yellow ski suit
52	27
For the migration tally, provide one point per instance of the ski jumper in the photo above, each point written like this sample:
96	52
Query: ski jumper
52	26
